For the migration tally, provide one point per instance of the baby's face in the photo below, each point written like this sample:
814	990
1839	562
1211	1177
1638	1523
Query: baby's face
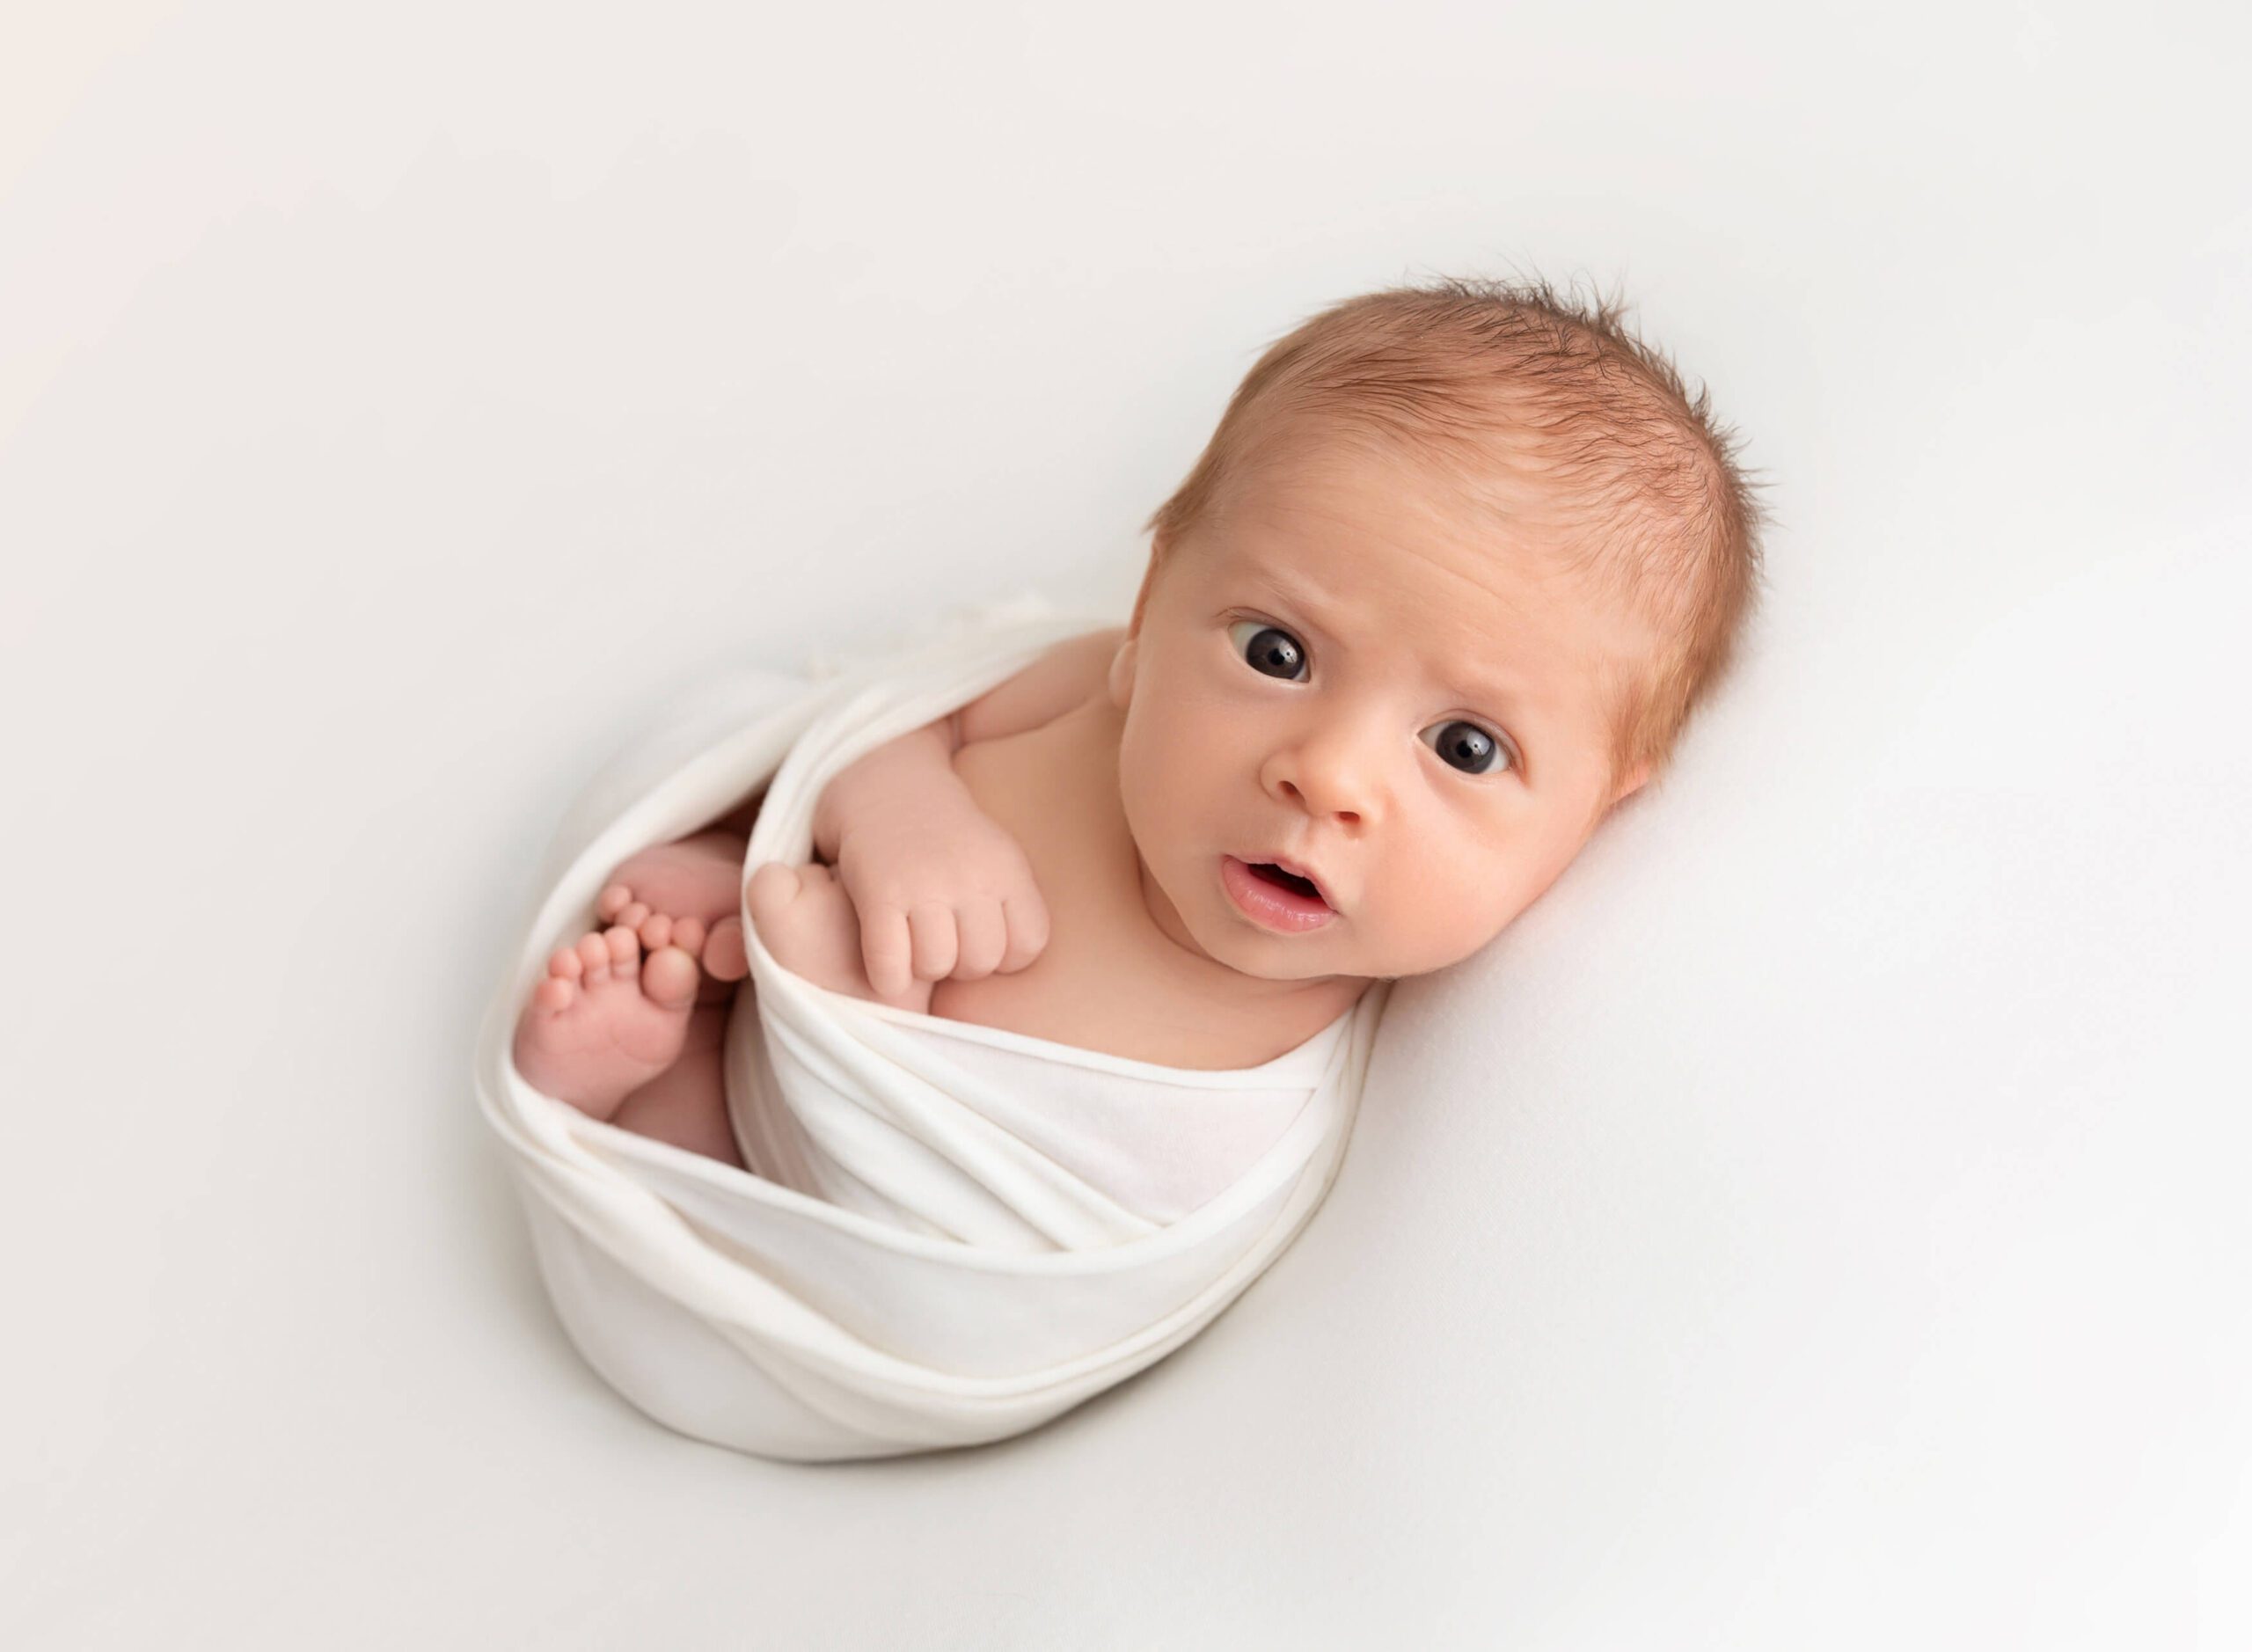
1348	670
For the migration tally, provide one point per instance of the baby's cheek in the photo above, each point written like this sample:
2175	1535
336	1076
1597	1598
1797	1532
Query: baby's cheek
1140	780
1462	913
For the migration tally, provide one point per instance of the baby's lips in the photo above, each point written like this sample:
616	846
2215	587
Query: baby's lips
1321	886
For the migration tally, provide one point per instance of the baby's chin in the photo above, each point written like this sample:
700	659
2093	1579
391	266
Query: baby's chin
1276	957
1283	968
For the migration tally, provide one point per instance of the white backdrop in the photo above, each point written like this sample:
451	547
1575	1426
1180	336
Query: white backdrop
1845	1247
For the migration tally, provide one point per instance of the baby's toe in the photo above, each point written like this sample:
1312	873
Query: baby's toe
723	955
669	978
555	993
635	914
656	931
563	963
594	957
613	901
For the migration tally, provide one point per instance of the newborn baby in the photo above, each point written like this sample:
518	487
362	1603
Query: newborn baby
1442	592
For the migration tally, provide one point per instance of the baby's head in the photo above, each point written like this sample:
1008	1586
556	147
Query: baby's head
1444	589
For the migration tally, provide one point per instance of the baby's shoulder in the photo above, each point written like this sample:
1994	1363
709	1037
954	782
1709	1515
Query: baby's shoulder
1059	681
1055	784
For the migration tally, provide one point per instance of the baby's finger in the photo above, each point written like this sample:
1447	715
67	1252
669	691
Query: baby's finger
885	950
985	935
936	946
1027	919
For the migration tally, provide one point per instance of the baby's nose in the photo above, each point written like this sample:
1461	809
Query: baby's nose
1333	778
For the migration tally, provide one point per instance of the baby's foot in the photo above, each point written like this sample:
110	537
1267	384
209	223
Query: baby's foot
605	1022
694	879
810	925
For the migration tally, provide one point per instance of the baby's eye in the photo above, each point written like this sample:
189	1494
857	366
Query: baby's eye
1270	646
1469	747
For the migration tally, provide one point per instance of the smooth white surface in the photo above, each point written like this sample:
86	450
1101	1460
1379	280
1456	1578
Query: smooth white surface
1844	1242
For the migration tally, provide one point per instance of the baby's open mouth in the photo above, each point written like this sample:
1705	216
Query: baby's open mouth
1273	898
1288	880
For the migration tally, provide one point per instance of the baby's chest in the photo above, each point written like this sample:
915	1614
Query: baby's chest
1107	981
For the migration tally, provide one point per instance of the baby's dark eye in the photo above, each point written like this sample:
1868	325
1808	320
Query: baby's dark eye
1272	651
1469	747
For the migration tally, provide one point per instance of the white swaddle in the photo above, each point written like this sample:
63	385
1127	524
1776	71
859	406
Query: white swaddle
955	1232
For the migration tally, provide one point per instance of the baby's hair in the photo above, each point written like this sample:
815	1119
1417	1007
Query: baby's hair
1492	379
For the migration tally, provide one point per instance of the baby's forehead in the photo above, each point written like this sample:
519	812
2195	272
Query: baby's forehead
1394	537
1398	505
1489	491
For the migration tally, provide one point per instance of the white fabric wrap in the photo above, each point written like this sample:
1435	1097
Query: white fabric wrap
905	1274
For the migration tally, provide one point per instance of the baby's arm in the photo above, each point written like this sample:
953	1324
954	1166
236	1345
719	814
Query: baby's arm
916	768
940	890
936	888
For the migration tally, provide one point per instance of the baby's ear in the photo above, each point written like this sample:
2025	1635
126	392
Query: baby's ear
1121	674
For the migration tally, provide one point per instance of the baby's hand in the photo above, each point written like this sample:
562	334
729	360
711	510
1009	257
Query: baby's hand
942	893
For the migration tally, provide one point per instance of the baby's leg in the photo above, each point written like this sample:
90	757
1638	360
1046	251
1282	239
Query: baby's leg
686	1104
628	1024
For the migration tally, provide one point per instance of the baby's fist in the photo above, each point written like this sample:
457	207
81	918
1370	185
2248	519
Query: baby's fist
949	898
